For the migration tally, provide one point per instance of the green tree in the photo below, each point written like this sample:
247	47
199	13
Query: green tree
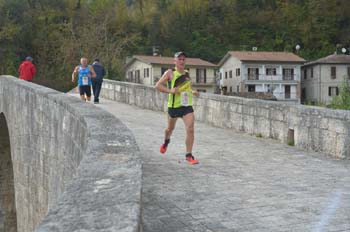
342	101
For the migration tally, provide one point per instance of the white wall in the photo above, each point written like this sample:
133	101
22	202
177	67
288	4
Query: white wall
138	65
231	64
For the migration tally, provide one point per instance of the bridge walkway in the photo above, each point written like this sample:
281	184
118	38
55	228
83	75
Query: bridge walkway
243	183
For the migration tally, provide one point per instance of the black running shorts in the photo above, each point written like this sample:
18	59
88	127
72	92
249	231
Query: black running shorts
179	112
85	89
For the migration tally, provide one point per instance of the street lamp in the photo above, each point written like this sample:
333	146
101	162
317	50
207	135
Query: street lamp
343	50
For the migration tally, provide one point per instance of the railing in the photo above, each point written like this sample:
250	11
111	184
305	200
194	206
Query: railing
264	77
288	77
201	82
194	81
253	77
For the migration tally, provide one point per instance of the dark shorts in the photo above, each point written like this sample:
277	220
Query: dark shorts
85	89
179	112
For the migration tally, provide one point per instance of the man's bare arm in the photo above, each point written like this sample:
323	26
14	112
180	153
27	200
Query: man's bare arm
93	73
74	73
161	84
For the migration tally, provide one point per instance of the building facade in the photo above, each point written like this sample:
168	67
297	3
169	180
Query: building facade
321	78
149	69
277	73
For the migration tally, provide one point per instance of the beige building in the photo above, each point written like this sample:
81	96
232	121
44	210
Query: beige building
149	69
321	78
254	71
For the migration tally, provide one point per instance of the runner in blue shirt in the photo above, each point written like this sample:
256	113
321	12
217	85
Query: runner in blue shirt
85	73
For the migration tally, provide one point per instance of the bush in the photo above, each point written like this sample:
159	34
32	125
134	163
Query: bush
342	101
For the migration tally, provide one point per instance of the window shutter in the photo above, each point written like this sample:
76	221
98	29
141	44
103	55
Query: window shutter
329	91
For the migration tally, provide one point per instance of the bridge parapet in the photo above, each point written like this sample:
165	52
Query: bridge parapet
311	128
75	167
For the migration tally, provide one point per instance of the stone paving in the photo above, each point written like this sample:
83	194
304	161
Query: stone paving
243	183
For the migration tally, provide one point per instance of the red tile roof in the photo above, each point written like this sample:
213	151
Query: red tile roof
267	56
263	57
332	59
170	61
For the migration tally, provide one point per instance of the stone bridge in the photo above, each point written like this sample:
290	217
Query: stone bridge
70	166
65	165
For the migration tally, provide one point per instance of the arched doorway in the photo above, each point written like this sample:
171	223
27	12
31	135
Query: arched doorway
8	218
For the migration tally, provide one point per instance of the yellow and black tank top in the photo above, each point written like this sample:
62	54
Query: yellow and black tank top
184	95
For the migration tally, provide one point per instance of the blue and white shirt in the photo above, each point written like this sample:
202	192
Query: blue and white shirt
84	76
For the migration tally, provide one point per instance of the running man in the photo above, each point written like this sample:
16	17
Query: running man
178	85
85	73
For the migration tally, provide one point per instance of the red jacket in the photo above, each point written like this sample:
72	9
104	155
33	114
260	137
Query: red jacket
26	71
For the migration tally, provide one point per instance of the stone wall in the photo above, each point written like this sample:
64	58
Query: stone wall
8	217
75	166
310	128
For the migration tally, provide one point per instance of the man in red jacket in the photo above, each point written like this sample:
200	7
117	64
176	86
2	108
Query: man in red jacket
27	69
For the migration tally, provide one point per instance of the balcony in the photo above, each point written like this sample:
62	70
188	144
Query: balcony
194	82
253	77
270	78
202	83
288	77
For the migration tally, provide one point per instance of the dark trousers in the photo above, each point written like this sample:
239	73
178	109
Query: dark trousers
96	89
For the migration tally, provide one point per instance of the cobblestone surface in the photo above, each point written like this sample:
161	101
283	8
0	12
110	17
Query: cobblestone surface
243	183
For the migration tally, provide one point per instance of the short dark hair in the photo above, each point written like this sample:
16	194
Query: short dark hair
97	60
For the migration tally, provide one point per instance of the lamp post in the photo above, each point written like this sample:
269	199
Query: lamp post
345	51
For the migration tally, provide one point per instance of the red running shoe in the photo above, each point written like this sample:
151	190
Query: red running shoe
191	159
163	148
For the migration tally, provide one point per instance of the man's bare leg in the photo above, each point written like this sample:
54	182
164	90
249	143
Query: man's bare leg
168	132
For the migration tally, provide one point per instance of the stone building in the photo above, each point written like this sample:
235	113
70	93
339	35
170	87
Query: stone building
270	72
321	78
149	69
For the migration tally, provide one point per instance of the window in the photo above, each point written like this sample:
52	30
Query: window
333	91
312	72
288	74
137	76
251	88
253	74
349	73
225	75
201	75
287	92
220	76
237	88
271	71
269	88
305	74
146	72
238	72
131	76
333	72
230	73
202	90
231	89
